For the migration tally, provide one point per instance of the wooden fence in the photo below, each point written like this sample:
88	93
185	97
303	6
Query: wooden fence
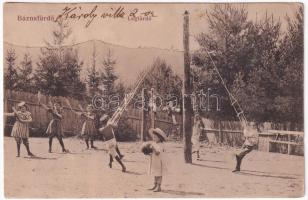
217	132
286	142
71	124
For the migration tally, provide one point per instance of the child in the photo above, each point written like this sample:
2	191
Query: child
156	151
54	128
113	149
196	132
20	129
251	139
171	111
88	127
103	120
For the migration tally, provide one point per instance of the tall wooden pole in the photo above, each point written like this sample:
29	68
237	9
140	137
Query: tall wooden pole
187	106
143	115
152	108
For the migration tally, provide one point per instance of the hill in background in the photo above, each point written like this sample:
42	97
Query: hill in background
130	61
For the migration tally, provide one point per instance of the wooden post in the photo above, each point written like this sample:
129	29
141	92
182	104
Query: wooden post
289	145
143	115
220	133
152	109
187	107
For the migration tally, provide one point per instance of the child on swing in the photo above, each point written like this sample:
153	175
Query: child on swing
20	129
155	150
251	140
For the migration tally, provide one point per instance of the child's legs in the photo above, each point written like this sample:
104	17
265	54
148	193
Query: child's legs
86	138
50	142
92	138
155	183
118	151
25	141
245	151
159	181
121	163
59	137
110	158
18	142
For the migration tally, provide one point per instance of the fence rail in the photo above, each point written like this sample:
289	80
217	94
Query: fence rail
217	132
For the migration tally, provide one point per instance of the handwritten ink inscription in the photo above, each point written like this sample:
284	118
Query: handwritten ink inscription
77	13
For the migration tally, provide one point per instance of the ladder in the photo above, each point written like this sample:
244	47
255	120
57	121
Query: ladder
235	104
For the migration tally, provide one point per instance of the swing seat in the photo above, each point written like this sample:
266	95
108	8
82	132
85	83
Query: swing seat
107	132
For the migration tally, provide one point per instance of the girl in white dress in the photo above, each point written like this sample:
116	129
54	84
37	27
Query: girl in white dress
196	132
156	151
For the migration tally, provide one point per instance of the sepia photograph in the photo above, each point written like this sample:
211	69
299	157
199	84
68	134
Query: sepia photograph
153	100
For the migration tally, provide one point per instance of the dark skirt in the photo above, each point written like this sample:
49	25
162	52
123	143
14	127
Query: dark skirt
55	128
88	128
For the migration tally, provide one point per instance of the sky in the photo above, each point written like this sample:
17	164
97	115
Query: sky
162	31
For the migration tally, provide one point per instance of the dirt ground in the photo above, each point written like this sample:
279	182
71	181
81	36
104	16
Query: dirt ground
85	173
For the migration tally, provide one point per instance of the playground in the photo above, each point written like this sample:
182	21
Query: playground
85	173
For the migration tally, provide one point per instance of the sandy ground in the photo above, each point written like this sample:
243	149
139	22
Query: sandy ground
85	173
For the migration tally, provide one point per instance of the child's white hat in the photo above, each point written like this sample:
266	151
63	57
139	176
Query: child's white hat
160	133
22	103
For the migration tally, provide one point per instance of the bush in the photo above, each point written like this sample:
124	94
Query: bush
124	131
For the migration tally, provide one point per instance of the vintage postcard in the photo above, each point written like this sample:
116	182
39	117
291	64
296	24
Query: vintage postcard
116	100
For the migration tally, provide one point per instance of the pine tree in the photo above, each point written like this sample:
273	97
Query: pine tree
289	103
58	72
25	76
108	76
164	81
11	76
262	78
226	43
93	79
247	55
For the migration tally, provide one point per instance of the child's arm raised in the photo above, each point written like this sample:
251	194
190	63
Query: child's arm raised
56	112
45	106
103	118
9	114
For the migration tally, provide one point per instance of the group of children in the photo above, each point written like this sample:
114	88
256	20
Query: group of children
94	123
91	123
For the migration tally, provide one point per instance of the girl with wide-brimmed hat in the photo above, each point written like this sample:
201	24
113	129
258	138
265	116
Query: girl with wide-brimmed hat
20	129
155	150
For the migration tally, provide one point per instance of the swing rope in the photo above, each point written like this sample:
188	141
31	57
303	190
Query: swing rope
117	114
235	104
